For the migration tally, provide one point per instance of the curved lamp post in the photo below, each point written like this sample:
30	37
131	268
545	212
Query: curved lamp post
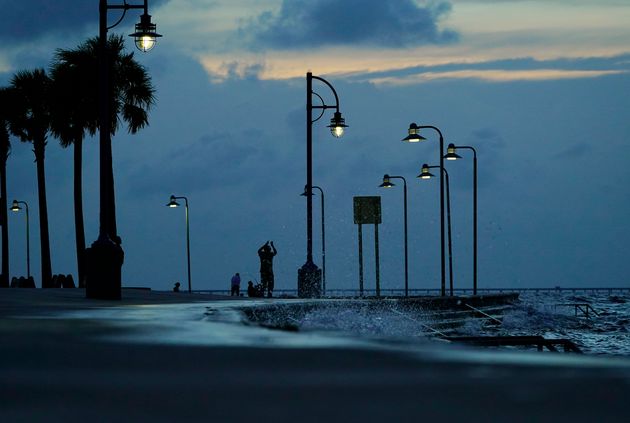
309	275
388	184
414	136
426	174
105	256
16	208
173	203
321	191
452	155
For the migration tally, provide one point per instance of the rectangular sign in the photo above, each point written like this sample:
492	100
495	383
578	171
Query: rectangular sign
367	210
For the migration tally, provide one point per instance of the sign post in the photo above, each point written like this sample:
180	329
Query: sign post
367	210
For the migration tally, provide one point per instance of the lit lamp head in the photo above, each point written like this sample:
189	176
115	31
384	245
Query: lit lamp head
414	134
386	182
424	173
451	154
145	35
15	207
337	125
172	203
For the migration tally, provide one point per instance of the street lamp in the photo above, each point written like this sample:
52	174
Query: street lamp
105	256
388	184
426	174
323	238
145	35
16	208
414	136
452	155
309	275
173	203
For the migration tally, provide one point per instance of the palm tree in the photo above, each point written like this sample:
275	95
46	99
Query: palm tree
72	116
5	149
30	121
131	94
75	95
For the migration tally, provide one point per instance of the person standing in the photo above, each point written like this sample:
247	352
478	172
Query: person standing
266	254
236	285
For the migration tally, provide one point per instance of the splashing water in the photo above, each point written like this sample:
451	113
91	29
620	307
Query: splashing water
549	314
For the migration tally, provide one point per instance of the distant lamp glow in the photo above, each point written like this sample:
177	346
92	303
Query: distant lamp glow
386	182
15	207
451	154
414	134
173	202
424	173
337	125
145	35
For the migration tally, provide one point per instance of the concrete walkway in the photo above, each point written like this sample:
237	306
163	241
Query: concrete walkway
58	368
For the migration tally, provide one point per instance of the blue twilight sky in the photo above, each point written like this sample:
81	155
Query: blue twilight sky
539	88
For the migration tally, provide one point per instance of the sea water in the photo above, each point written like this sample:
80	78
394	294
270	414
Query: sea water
551	314
554	315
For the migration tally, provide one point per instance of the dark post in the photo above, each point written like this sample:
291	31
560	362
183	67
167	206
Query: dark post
450	242
309	275
28	243
321	191
448	215
360	260
406	249
105	257
4	222
367	210
16	207
474	221
414	136
377	261
442	255
387	184
173	203
188	245
453	156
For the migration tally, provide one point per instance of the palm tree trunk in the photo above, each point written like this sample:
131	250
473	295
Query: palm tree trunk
78	209
4	280
43	214
112	230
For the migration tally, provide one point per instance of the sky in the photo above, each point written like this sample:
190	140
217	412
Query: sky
538	88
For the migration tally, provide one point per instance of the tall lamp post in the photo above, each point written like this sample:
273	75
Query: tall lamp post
16	208
309	275
452	155
388	184
414	136
173	203
105	257
321	191
426	174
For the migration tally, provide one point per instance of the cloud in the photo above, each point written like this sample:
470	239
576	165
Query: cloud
496	75
318	23
235	70
25	21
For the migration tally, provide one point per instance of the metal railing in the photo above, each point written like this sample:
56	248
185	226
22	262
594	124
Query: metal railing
433	291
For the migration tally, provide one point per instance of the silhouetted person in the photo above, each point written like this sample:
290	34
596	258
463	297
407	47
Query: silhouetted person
176	287
235	284
251	291
266	254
